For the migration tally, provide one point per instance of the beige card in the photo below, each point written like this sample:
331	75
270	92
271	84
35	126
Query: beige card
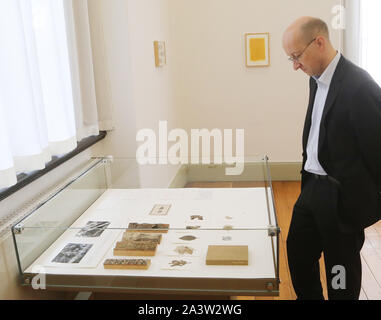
160	210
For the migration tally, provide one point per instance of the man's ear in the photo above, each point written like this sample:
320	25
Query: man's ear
321	42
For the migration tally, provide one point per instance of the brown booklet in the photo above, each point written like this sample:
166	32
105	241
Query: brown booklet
227	255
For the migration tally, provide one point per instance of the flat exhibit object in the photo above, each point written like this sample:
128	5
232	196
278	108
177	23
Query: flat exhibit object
145	249
184	250
227	256
188	238
160	210
142	237
72	253
142	264
93	229
148	227
177	264
196	217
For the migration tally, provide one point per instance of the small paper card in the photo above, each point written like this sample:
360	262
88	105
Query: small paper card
160	210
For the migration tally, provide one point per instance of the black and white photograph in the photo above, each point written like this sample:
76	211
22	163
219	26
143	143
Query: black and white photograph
93	229
72	253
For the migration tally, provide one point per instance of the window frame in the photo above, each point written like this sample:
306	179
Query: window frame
25	179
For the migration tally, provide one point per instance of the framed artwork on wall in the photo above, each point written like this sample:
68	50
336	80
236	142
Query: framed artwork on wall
160	56
257	46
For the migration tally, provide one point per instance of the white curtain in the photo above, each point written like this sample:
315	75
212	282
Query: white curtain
47	91
370	46
352	30
82	67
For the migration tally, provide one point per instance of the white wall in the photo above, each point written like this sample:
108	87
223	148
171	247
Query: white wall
142	94
205	83
214	89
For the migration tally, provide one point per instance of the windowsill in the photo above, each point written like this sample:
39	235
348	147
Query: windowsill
25	179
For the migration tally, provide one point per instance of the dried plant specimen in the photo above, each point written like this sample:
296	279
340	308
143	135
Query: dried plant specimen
228	218
178	263
184	250
188	238
197	217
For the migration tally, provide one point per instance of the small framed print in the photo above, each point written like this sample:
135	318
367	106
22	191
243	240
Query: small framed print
257	46
160	55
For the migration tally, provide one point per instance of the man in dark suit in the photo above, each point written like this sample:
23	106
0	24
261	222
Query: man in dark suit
341	173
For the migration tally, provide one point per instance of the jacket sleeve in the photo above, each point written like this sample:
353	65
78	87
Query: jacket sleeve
366	120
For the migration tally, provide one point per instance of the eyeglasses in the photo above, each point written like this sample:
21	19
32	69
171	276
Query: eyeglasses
296	58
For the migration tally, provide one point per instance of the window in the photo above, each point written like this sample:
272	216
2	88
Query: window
370	45
43	102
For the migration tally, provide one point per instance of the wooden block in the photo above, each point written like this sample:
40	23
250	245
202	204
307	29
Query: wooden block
227	255
148	227
125	248
136	264
142	237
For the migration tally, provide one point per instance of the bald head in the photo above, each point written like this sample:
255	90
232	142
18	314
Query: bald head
313	27
307	28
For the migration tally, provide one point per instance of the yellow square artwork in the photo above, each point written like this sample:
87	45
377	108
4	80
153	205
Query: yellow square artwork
257	49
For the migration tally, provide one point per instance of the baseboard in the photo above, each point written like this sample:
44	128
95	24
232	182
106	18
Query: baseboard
181	178
285	171
279	171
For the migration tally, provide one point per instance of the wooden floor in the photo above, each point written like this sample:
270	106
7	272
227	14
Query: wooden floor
286	194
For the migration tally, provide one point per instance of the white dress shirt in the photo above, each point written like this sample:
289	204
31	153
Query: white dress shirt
323	82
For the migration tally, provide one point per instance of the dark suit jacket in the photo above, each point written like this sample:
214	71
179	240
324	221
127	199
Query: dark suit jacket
350	143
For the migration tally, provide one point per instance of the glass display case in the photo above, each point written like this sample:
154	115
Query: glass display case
120	226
